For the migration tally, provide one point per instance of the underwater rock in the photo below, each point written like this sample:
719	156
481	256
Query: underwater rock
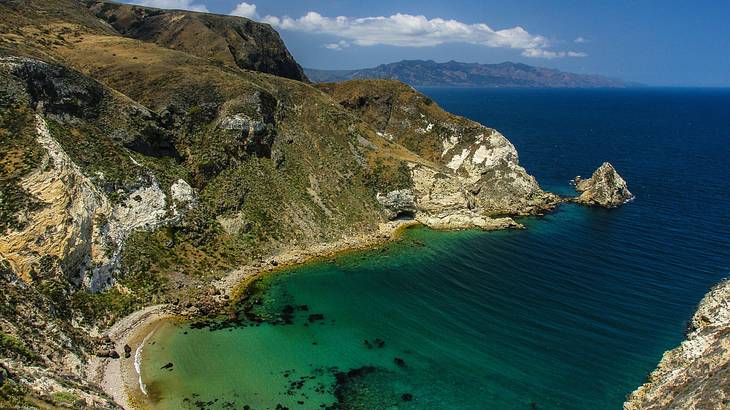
315	317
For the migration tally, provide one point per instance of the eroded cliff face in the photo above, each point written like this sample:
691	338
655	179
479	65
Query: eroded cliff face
77	231
44	348
696	374
473	176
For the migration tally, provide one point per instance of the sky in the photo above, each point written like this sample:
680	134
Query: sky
663	43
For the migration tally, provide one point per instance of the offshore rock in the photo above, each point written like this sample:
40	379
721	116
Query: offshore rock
604	188
695	375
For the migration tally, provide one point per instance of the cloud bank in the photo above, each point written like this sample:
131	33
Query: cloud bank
406	30
400	30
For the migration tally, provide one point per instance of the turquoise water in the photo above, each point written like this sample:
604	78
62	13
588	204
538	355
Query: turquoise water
571	313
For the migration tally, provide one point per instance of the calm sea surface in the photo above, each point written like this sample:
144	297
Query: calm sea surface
571	313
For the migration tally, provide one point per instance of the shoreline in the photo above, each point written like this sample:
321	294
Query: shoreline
118	377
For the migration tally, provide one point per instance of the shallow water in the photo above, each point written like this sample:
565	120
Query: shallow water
571	313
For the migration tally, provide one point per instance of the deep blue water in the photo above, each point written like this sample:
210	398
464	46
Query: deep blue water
571	313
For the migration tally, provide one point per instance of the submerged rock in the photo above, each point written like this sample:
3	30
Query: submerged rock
604	188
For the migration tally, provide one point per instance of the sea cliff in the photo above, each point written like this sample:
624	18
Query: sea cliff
696	374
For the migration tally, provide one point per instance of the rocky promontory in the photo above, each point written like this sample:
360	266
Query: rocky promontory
604	188
696	374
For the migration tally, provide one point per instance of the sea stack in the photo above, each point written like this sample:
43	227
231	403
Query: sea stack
604	188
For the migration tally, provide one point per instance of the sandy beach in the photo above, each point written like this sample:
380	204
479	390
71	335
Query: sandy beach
119	378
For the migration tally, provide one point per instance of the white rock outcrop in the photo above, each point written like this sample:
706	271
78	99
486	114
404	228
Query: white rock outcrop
78	227
695	374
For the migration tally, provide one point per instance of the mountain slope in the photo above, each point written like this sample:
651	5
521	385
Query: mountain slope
234	41
455	74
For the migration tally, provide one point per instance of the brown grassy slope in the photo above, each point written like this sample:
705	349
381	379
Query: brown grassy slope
34	28
233	41
403	114
311	177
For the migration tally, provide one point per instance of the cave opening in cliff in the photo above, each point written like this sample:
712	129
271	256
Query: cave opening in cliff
405	216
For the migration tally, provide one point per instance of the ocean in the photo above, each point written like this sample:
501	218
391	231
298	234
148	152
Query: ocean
571	313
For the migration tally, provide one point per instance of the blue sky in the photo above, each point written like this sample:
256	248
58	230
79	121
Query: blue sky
654	42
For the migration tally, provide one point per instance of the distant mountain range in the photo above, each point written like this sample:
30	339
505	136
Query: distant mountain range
457	74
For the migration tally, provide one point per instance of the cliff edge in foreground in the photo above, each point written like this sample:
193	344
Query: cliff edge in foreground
604	188
696	374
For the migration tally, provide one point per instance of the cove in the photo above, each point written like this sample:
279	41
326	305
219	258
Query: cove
571	313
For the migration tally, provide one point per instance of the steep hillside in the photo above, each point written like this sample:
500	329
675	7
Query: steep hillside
234	41
485	161
456	74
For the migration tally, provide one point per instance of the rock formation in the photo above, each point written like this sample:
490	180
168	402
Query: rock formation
695	375
473	172
604	188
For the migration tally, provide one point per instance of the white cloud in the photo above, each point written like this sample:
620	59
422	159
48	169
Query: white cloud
580	40
338	46
406	30
245	10
549	54
173	4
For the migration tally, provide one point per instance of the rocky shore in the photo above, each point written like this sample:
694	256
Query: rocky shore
696	374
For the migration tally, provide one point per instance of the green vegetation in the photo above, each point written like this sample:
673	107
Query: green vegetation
306	171
109	165
12	394
19	154
389	176
65	398
10	346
